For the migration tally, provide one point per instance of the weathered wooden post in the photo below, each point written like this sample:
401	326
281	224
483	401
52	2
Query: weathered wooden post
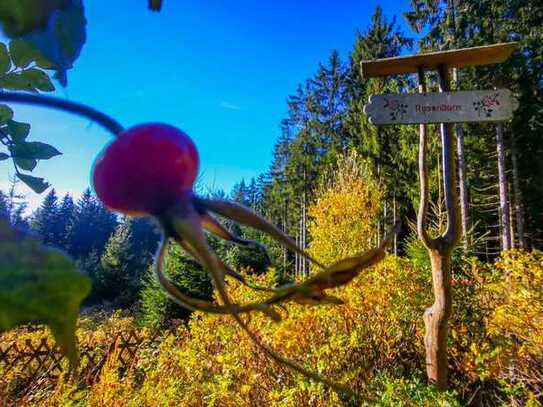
445	108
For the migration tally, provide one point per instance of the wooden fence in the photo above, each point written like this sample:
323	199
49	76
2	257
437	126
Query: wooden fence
41	358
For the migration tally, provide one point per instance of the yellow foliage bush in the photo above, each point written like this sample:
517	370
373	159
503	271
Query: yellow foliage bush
372	343
215	364
510	295
518	288
342	220
212	362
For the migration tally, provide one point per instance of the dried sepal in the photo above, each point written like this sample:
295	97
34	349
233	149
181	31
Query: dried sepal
247	217
185	224
338	274
227	270
194	304
211	225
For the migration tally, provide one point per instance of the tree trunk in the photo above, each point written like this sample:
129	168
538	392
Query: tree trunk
297	256
519	205
394	222
385	220
464	208
504	193
303	227
285	230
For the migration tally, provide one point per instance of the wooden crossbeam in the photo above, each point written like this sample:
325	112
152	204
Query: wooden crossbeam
458	58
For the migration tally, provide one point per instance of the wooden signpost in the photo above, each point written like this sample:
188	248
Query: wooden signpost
448	107
444	107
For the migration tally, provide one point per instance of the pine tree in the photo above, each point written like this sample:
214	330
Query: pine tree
187	274
389	150
127	256
47	220
66	218
239	193
252	194
93	225
4	208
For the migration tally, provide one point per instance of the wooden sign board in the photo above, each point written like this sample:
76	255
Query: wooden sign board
456	58
446	107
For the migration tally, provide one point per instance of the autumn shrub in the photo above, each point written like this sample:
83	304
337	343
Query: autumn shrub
411	391
511	298
27	379
343	217
372	343
213	362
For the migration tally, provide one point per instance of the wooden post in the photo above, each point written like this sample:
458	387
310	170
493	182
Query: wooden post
436	317
411	110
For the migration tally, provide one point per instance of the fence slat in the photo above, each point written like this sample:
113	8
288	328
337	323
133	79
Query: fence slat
45	359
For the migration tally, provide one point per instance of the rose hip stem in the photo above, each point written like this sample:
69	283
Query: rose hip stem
79	109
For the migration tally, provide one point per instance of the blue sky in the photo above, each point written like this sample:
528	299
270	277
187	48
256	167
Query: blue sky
219	70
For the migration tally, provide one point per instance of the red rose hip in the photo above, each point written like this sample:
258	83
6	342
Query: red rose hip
146	169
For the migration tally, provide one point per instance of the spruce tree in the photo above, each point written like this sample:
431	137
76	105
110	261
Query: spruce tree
187	274
4	208
66	217
46	220
127	256
92	226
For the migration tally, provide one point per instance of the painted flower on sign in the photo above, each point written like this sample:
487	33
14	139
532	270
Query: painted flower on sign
396	109
486	105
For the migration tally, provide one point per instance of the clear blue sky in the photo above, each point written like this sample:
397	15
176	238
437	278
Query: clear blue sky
219	70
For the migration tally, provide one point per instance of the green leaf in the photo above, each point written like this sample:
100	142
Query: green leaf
60	42
15	81
5	63
4	156
39	285
20	17
27	164
38	185
18	131
53	29
5	114
22	53
38	79
34	149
